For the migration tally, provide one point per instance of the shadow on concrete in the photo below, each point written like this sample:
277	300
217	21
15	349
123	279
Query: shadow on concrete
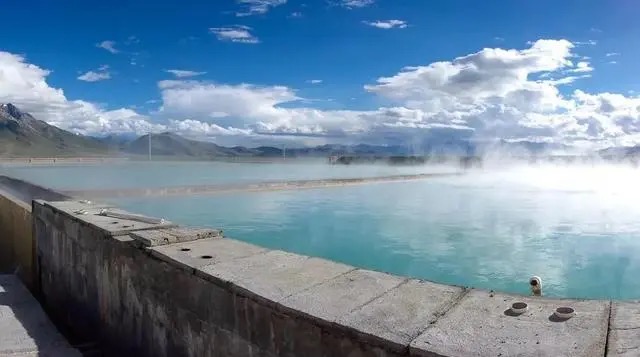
510	312
24	327
554	318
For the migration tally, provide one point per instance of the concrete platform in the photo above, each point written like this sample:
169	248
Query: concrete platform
338	297
25	330
404	312
624	326
481	325
110	225
203	252
276	275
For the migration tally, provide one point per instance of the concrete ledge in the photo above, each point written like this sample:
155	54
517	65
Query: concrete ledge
164	291
152	238
481	324
624	329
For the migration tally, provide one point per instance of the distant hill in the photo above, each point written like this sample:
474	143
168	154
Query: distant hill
23	135
169	144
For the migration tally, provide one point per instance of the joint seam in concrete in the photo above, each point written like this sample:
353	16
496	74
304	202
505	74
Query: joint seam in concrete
406	280
320	283
454	302
606	339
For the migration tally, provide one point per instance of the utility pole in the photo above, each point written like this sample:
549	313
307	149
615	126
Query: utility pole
149	146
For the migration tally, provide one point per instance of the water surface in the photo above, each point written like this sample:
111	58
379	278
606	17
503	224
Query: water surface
161	174
579	229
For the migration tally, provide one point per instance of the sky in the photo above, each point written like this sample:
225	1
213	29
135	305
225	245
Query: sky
310	72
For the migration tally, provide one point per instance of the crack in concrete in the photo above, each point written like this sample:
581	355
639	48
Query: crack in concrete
454	302
406	280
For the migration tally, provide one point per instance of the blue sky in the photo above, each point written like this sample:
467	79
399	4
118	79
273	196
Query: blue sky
265	54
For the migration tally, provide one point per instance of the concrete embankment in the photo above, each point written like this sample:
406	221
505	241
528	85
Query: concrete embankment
248	187
141	286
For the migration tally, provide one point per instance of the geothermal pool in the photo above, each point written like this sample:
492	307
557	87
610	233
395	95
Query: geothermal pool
578	228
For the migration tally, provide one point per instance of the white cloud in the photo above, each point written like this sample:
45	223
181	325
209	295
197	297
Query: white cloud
387	24
256	7
25	85
494	93
179	73
295	14
350	4
613	62
586	43
102	73
610	54
92	76
108	45
315	81
511	94
237	33
582	67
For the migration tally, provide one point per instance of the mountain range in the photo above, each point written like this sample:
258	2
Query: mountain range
22	135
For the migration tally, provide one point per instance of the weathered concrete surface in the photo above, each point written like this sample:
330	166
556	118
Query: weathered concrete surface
91	214
401	314
481	325
152	238
25	330
624	329
276	275
195	254
337	297
16	243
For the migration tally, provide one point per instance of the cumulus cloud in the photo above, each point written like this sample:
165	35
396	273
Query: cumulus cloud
100	74
236	33
180	73
387	24
494	93
256	7
109	46
508	94
512	94
25	85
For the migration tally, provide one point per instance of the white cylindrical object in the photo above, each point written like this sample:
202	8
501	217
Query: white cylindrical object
536	285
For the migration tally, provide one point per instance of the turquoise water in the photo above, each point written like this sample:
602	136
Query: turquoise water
578	228
490	230
159	174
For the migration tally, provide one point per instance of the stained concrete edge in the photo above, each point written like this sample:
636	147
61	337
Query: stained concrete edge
353	300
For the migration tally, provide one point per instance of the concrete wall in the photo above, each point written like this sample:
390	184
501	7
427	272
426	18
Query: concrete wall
17	250
148	288
16	245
